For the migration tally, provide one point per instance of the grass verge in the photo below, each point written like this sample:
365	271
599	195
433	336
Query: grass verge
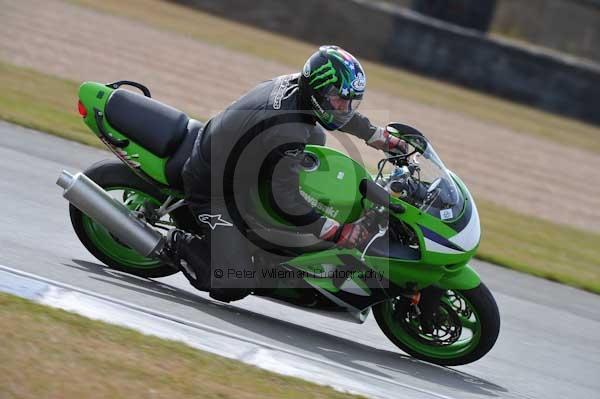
260	43
48	352
510	239
42	102
544	249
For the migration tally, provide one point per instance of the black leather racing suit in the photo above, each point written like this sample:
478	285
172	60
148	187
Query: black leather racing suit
258	138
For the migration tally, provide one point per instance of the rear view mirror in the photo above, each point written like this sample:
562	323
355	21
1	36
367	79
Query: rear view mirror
409	134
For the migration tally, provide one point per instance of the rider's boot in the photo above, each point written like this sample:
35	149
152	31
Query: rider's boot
188	252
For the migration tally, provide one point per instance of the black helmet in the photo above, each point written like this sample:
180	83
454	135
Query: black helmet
332	85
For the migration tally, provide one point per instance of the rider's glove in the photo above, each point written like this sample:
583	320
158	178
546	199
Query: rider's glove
348	235
383	140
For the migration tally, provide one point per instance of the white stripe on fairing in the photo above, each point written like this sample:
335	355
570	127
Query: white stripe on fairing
433	246
335	299
248	350
349	285
469	237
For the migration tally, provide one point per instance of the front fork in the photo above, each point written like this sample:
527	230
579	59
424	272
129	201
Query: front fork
425	303
428	305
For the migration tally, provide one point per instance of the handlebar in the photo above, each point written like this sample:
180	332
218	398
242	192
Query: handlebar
377	195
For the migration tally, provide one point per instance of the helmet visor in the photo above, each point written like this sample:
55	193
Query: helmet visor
339	107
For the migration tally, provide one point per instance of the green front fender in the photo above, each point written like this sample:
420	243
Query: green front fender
464	278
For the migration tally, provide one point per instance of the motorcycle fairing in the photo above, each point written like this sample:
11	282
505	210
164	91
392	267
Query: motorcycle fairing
94	97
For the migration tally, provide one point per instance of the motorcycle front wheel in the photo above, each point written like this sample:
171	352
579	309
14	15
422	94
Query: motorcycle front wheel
463	329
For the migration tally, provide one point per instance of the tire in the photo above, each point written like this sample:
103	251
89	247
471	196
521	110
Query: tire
105	247
484	330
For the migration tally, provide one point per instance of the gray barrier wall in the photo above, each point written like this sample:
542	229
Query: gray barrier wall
572	26
399	37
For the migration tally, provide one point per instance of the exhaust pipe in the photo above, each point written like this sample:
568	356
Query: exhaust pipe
92	200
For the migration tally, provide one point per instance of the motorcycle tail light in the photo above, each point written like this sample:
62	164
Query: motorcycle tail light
81	108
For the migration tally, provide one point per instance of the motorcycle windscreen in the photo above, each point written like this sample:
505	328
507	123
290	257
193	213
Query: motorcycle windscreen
441	197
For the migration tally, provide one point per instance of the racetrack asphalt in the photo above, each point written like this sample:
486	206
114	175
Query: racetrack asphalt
549	344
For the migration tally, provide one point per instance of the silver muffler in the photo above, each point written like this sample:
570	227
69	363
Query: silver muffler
92	200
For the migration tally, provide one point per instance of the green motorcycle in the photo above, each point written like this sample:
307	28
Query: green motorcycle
413	273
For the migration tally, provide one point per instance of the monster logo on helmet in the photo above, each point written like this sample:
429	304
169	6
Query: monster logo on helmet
332	84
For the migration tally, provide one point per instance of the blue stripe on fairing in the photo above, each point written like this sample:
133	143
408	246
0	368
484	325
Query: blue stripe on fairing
435	237
461	223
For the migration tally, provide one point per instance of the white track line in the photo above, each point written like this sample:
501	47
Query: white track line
255	352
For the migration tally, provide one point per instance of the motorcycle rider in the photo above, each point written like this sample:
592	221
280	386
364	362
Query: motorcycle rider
261	138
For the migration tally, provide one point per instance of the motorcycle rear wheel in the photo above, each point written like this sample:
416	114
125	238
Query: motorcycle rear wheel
119	181
467	327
